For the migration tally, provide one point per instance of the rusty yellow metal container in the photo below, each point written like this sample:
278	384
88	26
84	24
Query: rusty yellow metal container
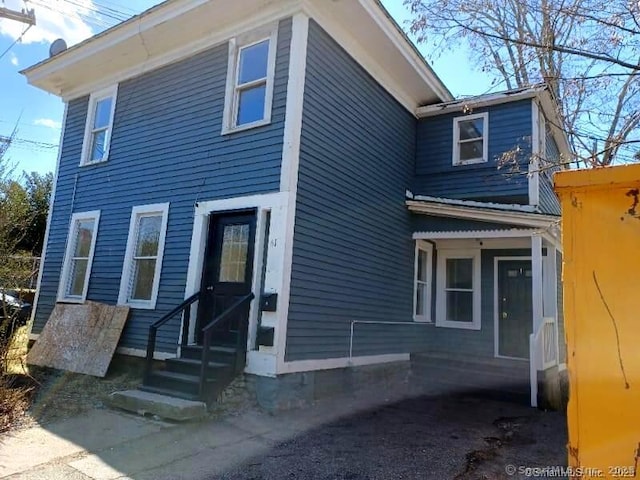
601	276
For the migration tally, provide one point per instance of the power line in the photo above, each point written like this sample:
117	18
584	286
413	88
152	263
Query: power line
15	42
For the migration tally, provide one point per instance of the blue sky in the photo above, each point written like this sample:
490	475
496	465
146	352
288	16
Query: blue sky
38	114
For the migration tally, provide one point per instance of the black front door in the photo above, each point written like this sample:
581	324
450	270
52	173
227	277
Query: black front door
227	275
515	308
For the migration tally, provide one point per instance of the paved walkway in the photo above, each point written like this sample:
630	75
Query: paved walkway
107	444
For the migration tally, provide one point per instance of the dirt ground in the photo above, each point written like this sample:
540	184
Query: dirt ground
461	437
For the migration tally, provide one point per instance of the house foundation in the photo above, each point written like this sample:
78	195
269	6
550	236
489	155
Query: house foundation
296	390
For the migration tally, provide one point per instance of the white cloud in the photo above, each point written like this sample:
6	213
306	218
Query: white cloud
59	20
47	122
13	59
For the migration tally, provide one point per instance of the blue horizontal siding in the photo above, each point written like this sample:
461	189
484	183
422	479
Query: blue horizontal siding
549	202
509	128
166	147
352	250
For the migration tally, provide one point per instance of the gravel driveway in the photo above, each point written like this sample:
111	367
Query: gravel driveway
428	437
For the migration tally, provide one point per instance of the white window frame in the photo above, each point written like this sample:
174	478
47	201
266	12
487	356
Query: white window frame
441	298
138	212
427	248
232	92
110	92
485	139
63	296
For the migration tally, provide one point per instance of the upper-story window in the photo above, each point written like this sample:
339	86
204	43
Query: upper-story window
250	75
97	135
470	139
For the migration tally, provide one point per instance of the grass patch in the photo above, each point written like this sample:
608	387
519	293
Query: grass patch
32	395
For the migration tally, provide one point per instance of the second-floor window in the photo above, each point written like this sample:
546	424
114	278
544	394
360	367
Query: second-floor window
99	125
470	139
250	81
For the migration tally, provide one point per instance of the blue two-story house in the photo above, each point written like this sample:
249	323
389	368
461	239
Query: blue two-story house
294	181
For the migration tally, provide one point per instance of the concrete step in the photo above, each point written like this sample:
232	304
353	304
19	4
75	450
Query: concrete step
164	406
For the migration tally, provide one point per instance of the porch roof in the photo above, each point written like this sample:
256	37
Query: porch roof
512	214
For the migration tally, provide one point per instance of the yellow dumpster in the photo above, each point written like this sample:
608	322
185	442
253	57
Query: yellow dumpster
601	276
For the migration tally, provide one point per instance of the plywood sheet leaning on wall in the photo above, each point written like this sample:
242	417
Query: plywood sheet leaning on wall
80	338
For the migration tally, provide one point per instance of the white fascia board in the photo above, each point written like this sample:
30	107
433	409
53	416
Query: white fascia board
533	220
395	33
474	234
515	207
550	112
478	102
94	45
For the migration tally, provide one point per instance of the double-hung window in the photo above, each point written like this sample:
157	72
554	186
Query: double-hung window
97	136
422	282
250	75
76	269
470	139
458	292
143	257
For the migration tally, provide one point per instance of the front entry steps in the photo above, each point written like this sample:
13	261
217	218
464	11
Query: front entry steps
180	377
172	389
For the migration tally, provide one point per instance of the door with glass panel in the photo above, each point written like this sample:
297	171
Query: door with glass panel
227	274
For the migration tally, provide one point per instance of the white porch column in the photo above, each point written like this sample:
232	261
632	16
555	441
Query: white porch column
536	280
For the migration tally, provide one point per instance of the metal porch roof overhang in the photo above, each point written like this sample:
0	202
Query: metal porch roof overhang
521	215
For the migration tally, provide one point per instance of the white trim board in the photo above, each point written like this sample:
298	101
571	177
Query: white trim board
276	203
289	172
52	201
532	220
533	177
333	363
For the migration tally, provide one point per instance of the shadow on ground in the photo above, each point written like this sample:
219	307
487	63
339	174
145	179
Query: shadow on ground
372	435
462	436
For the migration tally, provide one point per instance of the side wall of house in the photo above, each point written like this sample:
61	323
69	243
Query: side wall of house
561	340
549	202
501	179
352	250
166	147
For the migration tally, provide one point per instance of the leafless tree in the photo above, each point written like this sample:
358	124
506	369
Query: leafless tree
585	50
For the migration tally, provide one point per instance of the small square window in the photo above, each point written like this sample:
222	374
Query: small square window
97	138
250	75
470	139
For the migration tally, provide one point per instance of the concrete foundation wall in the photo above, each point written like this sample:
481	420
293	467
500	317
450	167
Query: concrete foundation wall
299	389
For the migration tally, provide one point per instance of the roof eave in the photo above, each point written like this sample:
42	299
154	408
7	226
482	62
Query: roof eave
532	220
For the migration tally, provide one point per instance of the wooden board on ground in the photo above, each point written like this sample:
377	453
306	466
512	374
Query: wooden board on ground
80	338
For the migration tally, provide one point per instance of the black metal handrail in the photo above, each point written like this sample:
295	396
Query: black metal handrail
153	329
207	332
